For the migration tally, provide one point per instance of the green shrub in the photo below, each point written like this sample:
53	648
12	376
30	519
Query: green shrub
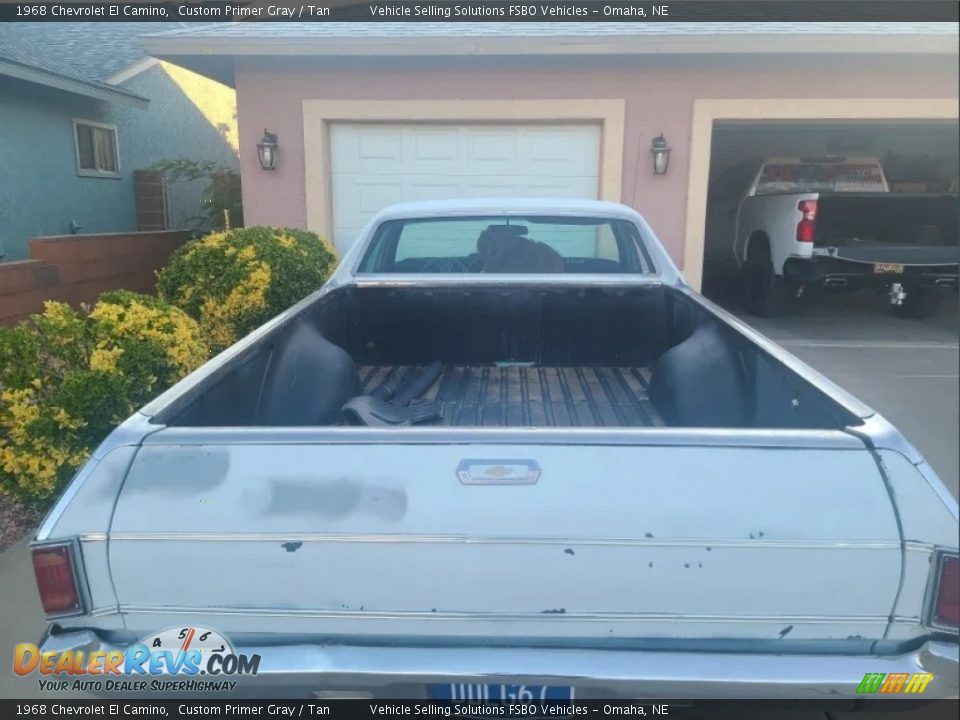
67	378
231	282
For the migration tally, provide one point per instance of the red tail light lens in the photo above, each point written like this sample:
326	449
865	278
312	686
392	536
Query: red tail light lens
56	580
808	223
946	603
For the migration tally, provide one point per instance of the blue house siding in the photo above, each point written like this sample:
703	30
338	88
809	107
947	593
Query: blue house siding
40	190
39	184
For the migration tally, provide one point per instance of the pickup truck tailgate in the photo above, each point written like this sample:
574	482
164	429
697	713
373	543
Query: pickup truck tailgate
529	543
891	228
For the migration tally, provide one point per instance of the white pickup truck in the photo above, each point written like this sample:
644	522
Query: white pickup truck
506	452
831	222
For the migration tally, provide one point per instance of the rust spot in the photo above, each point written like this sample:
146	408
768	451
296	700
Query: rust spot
557	611
569	551
647	535
291	546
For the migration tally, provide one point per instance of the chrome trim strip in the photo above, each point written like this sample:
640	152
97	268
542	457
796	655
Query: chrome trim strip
101	612
648	437
499	616
446	280
917	546
427	539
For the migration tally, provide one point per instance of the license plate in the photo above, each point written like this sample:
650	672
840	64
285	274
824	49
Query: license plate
887	269
500	693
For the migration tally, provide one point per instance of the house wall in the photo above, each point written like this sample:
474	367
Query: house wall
188	116
659	96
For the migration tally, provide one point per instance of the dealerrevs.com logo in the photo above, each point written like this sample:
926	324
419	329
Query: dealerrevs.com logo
172	660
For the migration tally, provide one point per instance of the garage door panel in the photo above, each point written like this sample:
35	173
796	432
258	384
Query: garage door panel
441	144
491	146
378	144
580	156
375	165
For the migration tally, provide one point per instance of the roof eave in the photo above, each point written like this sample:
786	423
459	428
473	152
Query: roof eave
39	76
172	46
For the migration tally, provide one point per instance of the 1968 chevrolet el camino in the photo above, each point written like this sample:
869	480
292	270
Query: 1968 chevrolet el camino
506	451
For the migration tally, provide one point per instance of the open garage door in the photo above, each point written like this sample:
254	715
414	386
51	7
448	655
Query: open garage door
918	158
375	165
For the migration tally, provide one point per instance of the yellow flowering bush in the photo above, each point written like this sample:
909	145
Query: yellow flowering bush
67	378
233	281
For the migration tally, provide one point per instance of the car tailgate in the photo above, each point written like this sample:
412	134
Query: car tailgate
525	543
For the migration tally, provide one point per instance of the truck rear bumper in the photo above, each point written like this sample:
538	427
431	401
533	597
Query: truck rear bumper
404	672
843	273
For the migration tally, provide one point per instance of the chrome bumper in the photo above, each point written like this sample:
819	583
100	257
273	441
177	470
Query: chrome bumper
396	672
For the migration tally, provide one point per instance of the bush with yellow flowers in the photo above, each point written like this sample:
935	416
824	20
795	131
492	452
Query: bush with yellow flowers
67	378
233	281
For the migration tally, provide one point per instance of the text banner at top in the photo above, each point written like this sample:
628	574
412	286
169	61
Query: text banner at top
568	11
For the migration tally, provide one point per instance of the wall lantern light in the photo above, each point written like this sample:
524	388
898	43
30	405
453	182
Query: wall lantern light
267	151
661	155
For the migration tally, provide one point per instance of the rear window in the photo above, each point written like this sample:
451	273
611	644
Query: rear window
818	177
506	244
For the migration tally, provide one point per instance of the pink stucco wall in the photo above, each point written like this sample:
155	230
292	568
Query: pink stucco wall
659	98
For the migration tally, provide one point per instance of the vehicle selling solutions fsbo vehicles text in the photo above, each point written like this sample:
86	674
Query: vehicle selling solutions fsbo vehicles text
528	10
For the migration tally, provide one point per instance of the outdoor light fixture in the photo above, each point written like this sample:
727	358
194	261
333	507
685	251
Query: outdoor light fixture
661	155
267	151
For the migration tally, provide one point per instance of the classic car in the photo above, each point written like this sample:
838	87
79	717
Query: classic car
507	451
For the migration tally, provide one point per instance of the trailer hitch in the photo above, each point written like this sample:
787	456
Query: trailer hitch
897	294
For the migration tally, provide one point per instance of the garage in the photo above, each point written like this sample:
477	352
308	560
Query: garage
914	161
373	165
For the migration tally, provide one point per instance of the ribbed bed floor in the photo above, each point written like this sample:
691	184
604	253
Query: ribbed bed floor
530	396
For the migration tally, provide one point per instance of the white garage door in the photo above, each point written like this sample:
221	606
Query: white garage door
377	165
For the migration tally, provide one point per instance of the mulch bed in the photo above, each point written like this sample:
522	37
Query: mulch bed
16	520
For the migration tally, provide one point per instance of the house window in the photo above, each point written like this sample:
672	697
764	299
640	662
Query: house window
97	153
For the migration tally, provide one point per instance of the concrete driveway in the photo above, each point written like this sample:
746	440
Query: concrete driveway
905	369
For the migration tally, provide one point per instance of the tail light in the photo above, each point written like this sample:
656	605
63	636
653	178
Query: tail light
808	220
54	568
945	609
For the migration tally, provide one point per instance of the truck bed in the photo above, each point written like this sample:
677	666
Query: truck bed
475	396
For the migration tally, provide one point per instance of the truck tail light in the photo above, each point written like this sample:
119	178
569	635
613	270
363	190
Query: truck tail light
53	566
808	220
946	600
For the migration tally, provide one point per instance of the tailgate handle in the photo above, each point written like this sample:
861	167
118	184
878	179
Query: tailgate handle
498	472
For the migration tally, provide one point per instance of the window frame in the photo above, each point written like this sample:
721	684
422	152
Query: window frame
83	172
377	244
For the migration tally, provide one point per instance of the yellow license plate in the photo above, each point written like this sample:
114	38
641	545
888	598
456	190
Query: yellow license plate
887	268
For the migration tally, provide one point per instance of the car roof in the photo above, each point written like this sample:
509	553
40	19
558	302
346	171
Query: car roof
505	206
